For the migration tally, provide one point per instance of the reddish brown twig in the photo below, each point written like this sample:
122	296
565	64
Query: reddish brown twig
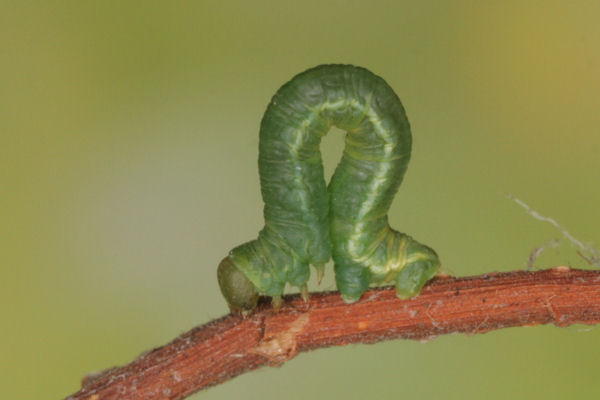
227	347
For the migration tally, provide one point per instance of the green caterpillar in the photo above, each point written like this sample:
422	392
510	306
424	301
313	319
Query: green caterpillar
308	222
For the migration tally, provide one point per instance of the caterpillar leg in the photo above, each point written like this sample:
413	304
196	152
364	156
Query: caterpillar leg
396	258
352	279
422	265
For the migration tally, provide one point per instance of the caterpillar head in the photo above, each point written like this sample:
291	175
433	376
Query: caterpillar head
241	294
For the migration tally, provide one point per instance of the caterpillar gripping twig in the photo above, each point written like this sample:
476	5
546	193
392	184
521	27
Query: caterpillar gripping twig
308	222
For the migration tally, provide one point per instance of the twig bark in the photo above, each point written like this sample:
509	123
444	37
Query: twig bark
222	349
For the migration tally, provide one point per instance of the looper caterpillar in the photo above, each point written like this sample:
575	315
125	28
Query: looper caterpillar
308	222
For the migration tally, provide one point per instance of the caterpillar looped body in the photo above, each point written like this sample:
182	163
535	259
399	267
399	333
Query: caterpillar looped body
308	222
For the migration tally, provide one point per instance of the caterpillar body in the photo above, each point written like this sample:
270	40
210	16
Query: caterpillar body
308	222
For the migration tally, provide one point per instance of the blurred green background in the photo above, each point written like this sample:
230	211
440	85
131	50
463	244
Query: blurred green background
128	148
